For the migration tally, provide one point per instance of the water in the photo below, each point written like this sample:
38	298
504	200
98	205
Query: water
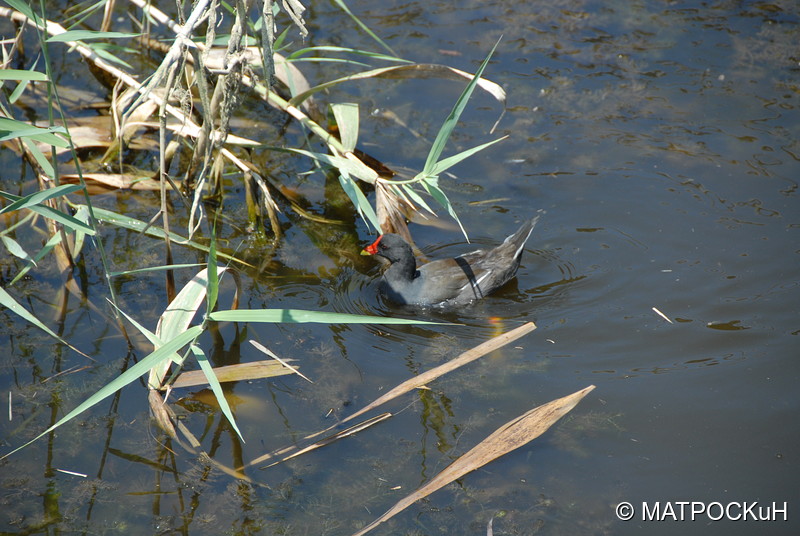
662	141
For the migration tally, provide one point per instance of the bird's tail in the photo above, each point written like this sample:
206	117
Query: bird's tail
523	234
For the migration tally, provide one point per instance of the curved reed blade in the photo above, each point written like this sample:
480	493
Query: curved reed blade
508	437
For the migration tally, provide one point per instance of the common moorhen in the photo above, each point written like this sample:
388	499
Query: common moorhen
446	282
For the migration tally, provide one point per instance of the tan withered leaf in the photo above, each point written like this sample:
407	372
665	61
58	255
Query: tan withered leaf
360	427
508	437
408	385
104	182
391	212
161	412
417	70
430	375
233	373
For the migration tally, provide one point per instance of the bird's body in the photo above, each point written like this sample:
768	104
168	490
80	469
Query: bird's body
457	281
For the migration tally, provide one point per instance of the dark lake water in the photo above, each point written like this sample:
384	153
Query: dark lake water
662	140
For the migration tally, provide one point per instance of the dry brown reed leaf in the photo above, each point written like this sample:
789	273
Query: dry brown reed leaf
508	437
332	438
261	348
161	413
414	383
430	375
417	70
390	211
233	373
104	182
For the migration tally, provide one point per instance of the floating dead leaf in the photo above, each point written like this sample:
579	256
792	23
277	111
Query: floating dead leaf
330	439
417	70
508	437
414	383
430	375
264	349
233	373
97	132
98	183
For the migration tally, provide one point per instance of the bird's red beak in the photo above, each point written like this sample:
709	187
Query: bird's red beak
372	249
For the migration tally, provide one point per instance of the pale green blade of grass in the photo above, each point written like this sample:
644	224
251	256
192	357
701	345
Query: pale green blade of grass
297	54
11	129
41	159
23	8
364	27
212	270
16	249
133	224
352	167
301	316
450	123
86	35
152	337
408	190
213	273
431	185
132	374
83	216
9	302
42	253
68	221
359	200
101	49
317	59
414	70
22	74
177	317
24	77
37	198
446	163
183	308
157	269
346	115
213	382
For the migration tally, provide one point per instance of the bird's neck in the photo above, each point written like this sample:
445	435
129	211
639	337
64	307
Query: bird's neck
404	269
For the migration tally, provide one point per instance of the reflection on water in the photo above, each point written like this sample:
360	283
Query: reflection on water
661	139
